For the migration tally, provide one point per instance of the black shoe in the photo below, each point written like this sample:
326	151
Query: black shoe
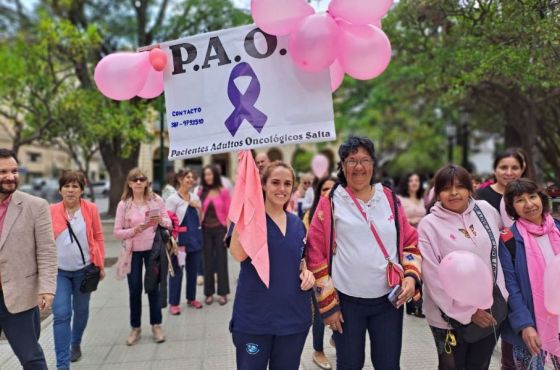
75	353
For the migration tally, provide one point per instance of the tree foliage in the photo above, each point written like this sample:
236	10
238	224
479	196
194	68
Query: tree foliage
494	60
75	35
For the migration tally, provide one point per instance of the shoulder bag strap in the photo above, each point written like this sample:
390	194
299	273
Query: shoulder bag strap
397	221
375	234
74	237
494	252
331	246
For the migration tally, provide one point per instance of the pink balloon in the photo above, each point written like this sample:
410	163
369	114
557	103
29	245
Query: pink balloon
153	86
551	286
121	76
360	12
320	165
363	51
337	75
312	45
467	279
279	17
158	59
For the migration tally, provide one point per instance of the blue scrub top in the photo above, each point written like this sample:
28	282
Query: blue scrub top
283	308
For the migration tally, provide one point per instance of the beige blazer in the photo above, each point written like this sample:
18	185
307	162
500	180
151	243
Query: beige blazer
28	264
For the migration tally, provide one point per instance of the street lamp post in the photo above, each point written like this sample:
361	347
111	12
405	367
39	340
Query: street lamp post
464	122
161	156
450	131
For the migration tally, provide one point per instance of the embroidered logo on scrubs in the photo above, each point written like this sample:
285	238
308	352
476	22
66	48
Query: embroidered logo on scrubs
252	348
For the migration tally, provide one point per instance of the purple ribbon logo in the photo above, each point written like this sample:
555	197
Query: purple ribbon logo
244	103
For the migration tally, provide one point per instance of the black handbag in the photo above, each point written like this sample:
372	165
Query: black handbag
92	273
472	333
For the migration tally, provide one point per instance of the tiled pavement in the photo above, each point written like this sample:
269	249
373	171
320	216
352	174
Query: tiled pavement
197	339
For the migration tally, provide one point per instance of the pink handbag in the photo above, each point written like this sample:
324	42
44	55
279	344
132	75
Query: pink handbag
394	272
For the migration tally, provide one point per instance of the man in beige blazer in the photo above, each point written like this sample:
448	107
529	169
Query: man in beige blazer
28	264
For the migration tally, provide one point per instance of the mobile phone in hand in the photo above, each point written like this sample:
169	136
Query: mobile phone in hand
394	295
152	212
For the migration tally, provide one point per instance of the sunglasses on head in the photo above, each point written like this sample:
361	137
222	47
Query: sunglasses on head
138	178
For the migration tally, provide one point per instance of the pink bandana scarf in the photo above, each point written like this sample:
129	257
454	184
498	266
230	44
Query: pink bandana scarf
547	323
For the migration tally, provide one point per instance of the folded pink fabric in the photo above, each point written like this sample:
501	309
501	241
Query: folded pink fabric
248	213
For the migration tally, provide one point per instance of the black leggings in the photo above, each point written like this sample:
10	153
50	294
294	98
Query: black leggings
215	260
463	356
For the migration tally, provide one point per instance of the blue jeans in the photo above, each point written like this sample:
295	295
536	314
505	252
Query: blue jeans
135	292
384	324
318	326
191	266
70	306
22	331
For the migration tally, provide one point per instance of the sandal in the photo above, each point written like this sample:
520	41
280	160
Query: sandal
209	300
222	300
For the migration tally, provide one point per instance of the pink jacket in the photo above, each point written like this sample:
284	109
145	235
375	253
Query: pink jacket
318	252
129	216
442	232
94	230
221	205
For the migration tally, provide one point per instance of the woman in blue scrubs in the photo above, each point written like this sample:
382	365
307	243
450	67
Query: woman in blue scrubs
269	325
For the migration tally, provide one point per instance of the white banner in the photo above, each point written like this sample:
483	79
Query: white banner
238	89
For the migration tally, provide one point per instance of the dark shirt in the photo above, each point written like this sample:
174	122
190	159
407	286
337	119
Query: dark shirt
211	217
491	196
283	308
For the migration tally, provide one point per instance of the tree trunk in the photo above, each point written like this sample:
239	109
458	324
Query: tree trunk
118	168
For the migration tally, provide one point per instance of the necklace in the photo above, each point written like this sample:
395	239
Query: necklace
71	212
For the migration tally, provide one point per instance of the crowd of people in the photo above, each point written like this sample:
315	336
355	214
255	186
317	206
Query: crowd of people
348	256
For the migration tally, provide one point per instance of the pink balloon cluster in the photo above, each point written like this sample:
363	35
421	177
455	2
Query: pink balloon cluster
122	76
347	39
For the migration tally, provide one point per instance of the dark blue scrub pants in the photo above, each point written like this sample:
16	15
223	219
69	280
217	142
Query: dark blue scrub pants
384	324
279	352
22	331
191	267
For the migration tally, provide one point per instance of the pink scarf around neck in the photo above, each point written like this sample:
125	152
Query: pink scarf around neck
547	323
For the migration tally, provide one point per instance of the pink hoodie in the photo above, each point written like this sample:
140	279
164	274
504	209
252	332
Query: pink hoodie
442	232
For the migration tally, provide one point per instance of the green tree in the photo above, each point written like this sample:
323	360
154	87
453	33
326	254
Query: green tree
494	62
80	33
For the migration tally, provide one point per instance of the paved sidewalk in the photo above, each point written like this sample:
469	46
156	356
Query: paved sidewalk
197	339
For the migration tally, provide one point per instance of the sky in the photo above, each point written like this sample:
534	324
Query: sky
319	5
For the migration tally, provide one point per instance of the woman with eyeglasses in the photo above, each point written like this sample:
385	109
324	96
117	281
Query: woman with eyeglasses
138	214
215	200
532	243
79	242
322	189
357	235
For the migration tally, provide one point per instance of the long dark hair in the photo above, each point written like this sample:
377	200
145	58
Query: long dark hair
216	185
518	154
317	191
403	186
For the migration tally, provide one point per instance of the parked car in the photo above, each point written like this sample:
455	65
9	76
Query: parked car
46	189
101	189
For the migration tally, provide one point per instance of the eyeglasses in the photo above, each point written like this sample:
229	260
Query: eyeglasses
139	178
366	162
